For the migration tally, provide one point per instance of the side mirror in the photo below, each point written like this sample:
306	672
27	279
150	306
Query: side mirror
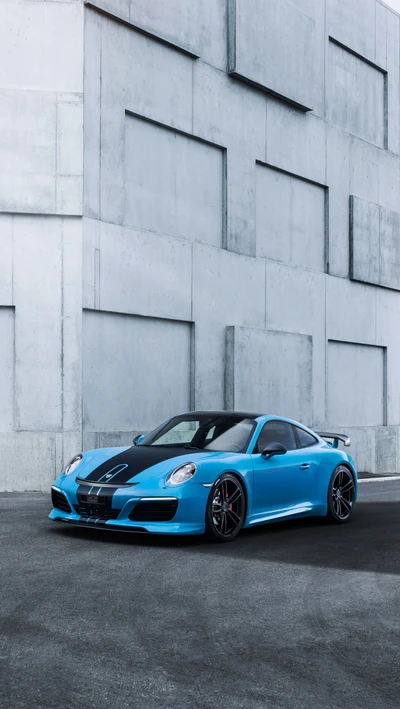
274	449
137	439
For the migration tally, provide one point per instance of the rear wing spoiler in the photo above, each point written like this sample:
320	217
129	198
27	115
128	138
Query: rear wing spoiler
335	437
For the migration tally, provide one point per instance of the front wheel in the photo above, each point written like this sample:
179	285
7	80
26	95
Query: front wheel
225	509
341	493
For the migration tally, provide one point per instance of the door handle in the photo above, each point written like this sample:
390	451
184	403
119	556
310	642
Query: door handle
304	466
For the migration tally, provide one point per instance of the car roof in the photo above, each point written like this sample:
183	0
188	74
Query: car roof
244	414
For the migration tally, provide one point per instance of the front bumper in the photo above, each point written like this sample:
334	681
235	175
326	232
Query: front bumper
188	519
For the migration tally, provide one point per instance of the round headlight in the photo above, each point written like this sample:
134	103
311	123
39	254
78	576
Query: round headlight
181	474
73	464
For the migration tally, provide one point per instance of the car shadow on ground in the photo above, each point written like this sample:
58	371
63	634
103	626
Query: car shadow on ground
369	542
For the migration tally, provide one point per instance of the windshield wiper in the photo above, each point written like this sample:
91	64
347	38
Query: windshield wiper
189	445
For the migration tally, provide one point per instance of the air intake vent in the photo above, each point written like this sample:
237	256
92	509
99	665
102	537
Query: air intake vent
155	511
59	501
98	511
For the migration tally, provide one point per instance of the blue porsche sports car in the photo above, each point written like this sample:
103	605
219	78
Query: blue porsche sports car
210	472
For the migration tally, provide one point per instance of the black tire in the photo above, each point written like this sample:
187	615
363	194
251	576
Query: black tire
341	495
226	508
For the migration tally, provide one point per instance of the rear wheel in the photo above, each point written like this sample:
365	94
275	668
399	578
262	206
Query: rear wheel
341	493
225	509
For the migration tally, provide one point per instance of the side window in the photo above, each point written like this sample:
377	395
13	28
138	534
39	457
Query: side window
276	432
304	439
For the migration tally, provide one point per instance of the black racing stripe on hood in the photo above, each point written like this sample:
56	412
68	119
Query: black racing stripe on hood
136	459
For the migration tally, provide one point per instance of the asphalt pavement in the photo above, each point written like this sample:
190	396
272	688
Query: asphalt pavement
289	616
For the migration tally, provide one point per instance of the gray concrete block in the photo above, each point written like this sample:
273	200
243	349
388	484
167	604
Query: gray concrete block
349	401
290	219
38	348
199	26
296	141
295	302
182	176
143	77
28	460
227	112
126	357
375	244
351	312
288	63
356	95
153	273
364	240
270	372
364	170
7	368
387	449
227	289
41	46
352	22
27	151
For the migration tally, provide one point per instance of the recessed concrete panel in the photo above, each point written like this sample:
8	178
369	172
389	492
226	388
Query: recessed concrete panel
174	184
356	95
280	46
375	243
269	371
290	219
7	368
356	376
136	371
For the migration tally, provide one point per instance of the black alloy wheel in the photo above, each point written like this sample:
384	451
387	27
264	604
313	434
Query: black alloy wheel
225	510
341	495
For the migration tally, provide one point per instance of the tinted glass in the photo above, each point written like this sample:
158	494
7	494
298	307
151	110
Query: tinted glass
305	439
229	433
276	432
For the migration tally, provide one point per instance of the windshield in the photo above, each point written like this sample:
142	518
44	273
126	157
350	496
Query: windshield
225	433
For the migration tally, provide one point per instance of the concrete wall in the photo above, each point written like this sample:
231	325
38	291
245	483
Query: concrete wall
236	232
41	196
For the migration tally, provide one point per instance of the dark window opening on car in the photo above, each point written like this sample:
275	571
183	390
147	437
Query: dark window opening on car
304	439
276	432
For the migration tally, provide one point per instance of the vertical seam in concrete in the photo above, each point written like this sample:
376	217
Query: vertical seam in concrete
266	130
